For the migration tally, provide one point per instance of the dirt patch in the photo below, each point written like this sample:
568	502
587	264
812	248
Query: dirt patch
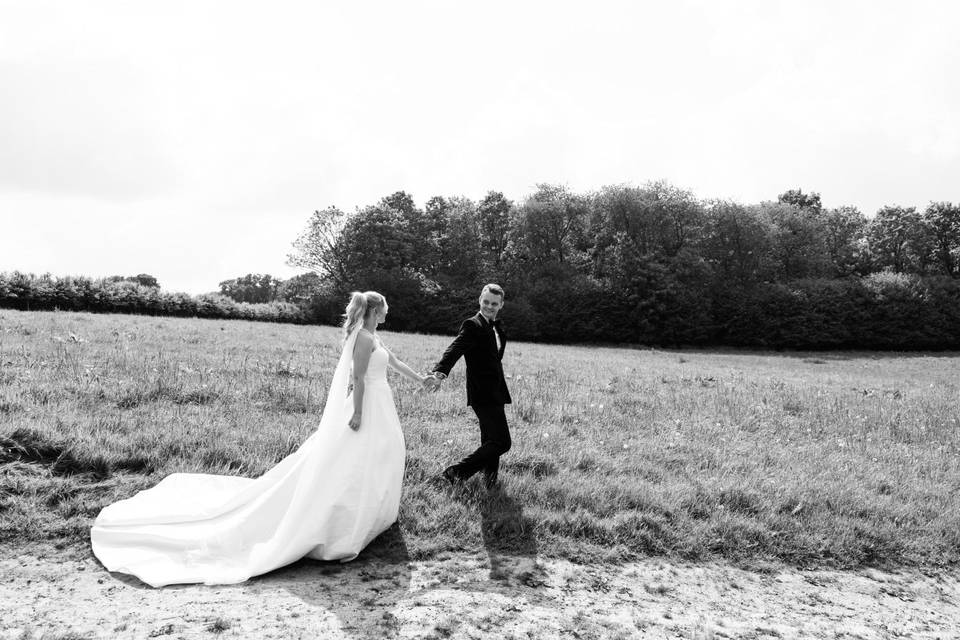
470	596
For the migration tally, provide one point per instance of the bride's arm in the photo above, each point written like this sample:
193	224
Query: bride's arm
361	358
398	365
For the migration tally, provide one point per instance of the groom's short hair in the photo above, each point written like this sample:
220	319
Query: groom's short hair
495	289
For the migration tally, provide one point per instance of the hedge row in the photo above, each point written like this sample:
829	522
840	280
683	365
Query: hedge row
882	311
43	293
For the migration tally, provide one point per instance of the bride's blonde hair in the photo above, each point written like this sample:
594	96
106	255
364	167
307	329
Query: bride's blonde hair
359	308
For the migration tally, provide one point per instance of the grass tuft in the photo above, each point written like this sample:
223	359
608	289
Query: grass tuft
219	626
536	467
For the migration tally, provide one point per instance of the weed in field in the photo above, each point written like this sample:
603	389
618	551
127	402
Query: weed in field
219	625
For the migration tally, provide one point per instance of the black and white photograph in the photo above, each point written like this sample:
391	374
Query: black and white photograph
506	320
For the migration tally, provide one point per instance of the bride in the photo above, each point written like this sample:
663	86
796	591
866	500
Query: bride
327	500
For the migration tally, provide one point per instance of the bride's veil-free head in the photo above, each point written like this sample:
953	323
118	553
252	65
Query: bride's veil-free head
360	307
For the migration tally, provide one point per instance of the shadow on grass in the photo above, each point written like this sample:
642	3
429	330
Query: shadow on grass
508	537
33	447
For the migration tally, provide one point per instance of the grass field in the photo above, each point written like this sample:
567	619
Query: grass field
813	459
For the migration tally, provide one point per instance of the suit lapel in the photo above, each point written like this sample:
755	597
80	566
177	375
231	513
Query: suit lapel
488	327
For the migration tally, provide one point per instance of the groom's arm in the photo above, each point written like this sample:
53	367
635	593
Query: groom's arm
464	340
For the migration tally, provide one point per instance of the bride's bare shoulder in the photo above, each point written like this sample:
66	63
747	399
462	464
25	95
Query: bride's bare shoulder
367	339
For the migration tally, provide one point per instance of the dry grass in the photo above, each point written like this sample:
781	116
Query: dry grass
828	459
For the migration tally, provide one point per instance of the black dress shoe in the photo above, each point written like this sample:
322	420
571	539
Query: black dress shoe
450	475
490	481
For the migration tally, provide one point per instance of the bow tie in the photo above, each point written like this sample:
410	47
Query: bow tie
495	324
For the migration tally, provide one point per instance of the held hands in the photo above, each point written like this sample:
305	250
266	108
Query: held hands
432	382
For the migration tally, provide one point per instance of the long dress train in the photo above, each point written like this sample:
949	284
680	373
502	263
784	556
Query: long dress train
327	500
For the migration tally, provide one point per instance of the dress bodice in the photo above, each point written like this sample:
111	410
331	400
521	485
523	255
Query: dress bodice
377	365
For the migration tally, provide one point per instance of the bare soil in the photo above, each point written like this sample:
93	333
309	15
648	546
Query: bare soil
481	596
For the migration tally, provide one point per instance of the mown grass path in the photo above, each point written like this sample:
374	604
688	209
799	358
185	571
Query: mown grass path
812	459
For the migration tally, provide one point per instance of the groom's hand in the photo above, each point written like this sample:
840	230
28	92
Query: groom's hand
431	382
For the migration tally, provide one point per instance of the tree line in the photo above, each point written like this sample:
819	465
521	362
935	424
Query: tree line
651	264
647	264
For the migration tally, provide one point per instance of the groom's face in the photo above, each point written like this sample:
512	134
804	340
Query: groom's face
490	305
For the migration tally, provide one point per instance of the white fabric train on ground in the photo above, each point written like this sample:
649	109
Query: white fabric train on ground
327	500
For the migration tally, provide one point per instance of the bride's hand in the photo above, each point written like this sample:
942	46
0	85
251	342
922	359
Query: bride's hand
354	421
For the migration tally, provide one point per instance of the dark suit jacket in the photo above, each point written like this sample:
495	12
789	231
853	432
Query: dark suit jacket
478	346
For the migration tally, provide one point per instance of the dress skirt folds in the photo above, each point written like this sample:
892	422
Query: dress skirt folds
327	500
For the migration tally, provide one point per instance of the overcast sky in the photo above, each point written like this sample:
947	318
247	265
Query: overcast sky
192	140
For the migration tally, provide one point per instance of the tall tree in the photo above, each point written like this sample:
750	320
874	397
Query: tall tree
493	214
616	217
300	288
943	221
798	240
402	202
897	239
420	229
379	246
376	238
143	279
253	288
319	247
461	247
551	222
843	231
736	240
677	214
800	199
890	235
146	280
657	219
432	229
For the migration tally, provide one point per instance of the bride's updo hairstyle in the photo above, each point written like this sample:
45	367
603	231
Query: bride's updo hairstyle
359	308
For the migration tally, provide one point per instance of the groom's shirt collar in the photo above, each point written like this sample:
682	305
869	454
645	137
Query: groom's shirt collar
486	321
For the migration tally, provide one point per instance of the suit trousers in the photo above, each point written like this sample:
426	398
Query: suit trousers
494	442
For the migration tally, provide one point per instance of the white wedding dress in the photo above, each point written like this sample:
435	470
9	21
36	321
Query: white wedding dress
327	500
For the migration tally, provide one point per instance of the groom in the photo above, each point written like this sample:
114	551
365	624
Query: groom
481	342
